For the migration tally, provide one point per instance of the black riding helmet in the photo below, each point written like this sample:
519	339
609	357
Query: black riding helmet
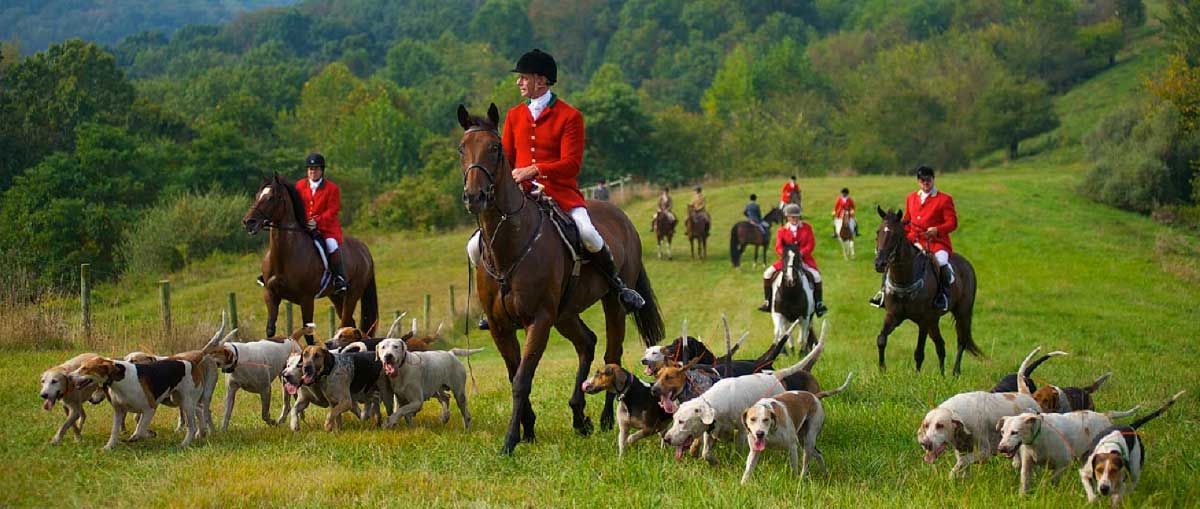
924	171
538	62
845	190
315	159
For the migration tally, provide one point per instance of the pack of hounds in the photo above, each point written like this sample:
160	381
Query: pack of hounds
695	400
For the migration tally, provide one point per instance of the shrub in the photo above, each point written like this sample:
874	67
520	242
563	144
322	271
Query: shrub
179	230
1141	160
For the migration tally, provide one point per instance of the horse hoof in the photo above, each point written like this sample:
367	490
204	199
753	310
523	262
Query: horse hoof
529	438
584	428
606	423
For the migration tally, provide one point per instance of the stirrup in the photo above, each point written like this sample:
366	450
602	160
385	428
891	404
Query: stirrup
765	307
942	302
631	298
877	300
339	285
483	323
821	309
260	281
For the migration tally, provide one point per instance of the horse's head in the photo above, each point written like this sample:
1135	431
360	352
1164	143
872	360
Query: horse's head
272	205
888	237
791	264
482	158
775	215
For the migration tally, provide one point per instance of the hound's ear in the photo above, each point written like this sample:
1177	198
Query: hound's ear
494	115
1000	424
745	414
963	440
118	372
882	214
708	414
464	118
1088	470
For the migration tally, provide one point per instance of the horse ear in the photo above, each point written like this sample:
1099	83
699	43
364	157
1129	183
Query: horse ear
494	115
882	214
464	117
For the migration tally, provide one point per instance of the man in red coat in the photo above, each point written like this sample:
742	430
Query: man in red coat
785	196
844	202
800	235
930	217
543	139
322	203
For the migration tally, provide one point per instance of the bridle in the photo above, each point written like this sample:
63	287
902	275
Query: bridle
892	253
489	193
266	221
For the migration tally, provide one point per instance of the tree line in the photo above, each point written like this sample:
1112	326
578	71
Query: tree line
102	144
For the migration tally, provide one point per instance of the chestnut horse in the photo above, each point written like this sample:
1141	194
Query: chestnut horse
292	267
910	285
746	233
664	229
524	277
698	224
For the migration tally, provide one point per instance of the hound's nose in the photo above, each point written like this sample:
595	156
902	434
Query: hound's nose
760	434
1104	489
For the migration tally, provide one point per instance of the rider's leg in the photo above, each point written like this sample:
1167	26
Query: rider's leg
817	290
335	265
854	225
768	278
473	256
602	258
835	228
945	279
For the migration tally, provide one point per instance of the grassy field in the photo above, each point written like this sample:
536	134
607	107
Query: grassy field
1114	289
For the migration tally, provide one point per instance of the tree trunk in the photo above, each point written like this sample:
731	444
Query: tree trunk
1012	150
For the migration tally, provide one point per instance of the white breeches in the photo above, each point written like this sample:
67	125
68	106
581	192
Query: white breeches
331	244
592	241
943	257
770	273
853	225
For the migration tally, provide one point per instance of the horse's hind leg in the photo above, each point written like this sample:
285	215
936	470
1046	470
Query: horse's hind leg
935	332
584	340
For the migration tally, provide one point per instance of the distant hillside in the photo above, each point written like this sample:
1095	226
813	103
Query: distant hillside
39	23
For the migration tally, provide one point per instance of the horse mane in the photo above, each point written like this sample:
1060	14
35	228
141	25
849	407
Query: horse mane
483	123
297	202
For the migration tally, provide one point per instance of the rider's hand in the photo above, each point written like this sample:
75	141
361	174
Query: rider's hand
931	232
312	224
525	173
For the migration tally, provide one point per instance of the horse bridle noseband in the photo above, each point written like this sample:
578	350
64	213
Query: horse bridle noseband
267	223
489	193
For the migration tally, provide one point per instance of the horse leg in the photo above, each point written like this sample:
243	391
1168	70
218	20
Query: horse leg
584	341
345	306
962	329
935	332
919	352
889	324
614	348
272	301
537	336
306	317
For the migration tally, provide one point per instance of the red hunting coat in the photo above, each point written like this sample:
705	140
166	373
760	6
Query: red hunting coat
938	211
788	188
803	238
843	203
323	206
554	142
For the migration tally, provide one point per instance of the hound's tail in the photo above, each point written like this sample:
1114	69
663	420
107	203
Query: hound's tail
463	352
1117	414
1029	371
807	361
825	394
1096	385
1149	417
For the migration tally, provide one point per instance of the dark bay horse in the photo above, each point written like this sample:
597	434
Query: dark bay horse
910	285
746	233
524	277
792	300
664	229
698	224
292	267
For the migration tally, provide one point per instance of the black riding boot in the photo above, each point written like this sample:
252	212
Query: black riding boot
339	273
877	300
817	292
766	305
483	323
603	261
942	301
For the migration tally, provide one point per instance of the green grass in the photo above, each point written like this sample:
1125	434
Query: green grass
1054	270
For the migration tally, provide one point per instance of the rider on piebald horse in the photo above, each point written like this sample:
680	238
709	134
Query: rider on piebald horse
929	217
664	207
323	201
798	234
543	140
785	196
754	213
844	202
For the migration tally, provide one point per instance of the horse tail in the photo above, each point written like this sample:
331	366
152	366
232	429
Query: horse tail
648	319
369	306
735	254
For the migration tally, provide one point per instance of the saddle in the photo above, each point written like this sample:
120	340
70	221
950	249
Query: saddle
567	230
326	274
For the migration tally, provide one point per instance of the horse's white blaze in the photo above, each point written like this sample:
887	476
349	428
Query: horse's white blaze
265	193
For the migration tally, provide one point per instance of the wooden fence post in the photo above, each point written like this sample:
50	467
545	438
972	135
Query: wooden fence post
333	323
164	298
233	321
287	311
85	300
427	306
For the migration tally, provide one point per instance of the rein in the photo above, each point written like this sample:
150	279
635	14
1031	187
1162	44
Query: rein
918	281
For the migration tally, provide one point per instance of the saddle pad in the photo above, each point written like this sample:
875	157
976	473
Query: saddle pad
564	222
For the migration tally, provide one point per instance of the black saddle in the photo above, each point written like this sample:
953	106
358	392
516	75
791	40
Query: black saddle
563	223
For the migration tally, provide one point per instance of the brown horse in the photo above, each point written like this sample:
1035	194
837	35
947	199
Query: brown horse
910	285
845	233
664	228
746	233
292	267
698	224
524	277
